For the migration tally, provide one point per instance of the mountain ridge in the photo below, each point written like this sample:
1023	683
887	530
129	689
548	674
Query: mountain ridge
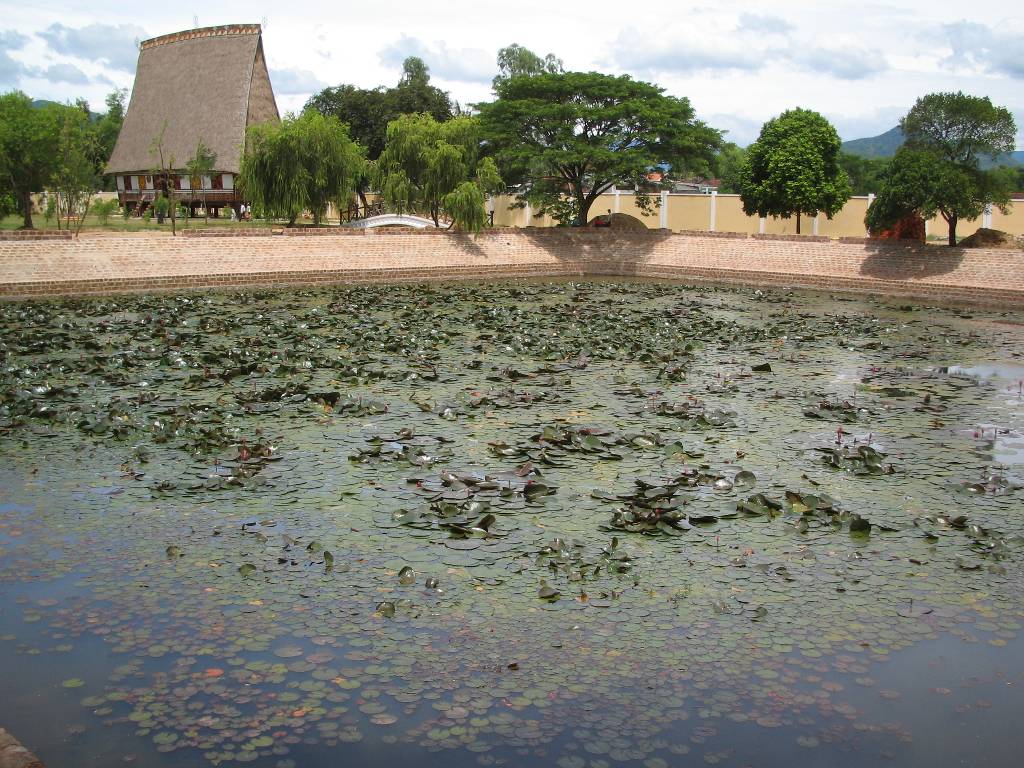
885	145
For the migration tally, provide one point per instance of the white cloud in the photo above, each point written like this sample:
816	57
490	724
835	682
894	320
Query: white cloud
114	44
11	70
291	81
466	65
69	73
995	50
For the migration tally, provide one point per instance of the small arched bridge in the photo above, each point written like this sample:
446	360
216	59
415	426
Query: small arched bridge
392	220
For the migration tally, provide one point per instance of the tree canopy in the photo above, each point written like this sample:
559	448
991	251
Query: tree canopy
865	172
29	138
516	61
301	163
794	168
367	111
436	168
959	128
727	166
937	169
566	138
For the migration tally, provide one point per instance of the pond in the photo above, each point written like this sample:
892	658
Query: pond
548	523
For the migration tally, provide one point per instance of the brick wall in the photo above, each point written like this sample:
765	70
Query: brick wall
108	264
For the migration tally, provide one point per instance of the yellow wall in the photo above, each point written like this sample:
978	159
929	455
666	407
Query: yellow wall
1012	222
693	212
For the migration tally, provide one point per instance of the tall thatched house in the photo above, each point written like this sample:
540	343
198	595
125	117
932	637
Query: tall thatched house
209	84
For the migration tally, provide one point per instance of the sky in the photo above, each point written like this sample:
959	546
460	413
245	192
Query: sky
861	64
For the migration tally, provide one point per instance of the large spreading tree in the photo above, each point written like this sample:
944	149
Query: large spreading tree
937	170
565	138
302	163
794	169
437	169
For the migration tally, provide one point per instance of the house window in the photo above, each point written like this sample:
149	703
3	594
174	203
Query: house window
218	181
126	182
176	181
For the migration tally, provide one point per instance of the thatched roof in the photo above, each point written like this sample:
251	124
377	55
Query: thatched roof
209	84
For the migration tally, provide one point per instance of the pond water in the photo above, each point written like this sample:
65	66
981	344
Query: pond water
547	523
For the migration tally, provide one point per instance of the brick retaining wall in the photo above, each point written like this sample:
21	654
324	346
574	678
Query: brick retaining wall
111	264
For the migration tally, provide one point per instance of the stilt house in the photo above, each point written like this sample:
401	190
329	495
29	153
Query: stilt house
206	84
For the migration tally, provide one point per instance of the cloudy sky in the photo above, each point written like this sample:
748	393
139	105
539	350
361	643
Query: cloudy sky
862	63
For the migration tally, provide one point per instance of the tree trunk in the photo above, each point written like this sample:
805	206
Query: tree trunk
798	222
26	209
583	205
952	230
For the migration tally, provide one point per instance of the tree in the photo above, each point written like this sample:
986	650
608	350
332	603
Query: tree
200	165
727	165
28	149
436	168
301	163
793	168
567	138
937	170
367	112
415	94
107	129
960	128
164	170
865	172
74	176
924	182
517	61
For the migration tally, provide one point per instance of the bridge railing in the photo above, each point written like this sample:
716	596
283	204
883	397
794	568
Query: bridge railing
356	212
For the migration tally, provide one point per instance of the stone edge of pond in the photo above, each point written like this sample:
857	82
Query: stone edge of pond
14	755
94	266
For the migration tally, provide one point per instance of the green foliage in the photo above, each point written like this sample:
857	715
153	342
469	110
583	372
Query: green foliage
301	163
74	175
435	168
727	166
102	210
566	138
28	148
107	129
937	171
927	183
517	61
368	111
865	172
960	128
199	165
793	168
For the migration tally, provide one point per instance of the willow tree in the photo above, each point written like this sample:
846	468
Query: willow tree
301	164
436	169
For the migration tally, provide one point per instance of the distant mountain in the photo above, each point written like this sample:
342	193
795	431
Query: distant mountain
40	103
876	146
886	145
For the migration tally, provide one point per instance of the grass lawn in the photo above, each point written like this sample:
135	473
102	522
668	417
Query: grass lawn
117	223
